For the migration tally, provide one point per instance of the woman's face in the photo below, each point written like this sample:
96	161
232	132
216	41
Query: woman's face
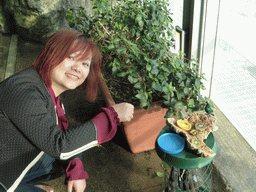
69	74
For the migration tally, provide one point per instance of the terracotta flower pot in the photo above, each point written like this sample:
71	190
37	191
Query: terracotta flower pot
144	128
142	131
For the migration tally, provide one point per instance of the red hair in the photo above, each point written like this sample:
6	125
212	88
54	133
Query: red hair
60	46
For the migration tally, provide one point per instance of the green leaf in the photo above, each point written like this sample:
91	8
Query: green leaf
179	76
166	68
114	69
197	83
154	71
101	35
170	103
154	63
169	33
139	20
150	76
140	95
122	74
183	75
182	84
173	101
111	46
165	89
116	40
127	60
143	99
157	87
211	103
138	85
189	110
179	115
159	174
191	102
132	79
188	82
121	50
148	67
179	105
135	49
169	114
141	23
167	96
186	90
138	17
197	107
180	95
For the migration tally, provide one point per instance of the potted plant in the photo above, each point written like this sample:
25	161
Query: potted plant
135	38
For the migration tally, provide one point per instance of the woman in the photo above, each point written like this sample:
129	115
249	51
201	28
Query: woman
36	144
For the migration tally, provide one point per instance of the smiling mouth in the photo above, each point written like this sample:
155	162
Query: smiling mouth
72	76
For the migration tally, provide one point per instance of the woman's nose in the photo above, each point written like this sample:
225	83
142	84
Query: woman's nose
76	67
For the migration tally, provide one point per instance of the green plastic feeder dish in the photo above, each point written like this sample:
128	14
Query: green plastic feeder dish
185	159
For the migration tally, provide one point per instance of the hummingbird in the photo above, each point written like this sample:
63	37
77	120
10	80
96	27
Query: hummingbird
208	109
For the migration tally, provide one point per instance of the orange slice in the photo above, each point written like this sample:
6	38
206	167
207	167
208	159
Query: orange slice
184	125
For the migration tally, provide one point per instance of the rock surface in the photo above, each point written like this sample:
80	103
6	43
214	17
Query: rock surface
193	118
36	20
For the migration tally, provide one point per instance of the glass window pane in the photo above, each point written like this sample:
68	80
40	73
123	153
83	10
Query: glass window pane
233	87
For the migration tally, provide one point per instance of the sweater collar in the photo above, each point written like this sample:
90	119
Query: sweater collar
62	119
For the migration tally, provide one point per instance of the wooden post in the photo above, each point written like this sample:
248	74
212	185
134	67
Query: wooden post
105	91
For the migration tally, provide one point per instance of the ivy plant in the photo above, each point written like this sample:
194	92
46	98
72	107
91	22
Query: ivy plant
135	38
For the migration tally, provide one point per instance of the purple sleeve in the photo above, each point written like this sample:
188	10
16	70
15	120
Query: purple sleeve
75	171
106	122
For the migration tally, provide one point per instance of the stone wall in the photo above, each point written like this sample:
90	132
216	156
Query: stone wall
36	19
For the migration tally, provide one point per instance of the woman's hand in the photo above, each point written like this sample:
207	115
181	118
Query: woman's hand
77	185
125	111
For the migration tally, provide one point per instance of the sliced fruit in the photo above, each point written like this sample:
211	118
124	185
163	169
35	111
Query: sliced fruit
194	132
195	142
184	125
200	126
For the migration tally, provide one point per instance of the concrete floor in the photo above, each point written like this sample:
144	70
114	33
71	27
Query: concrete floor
113	168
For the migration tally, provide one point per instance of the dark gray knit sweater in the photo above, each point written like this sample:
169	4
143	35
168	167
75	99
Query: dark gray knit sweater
28	128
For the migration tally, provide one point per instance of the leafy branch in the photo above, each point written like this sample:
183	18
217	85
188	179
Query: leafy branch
135	39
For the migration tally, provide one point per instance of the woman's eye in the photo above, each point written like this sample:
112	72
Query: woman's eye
86	64
70	57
